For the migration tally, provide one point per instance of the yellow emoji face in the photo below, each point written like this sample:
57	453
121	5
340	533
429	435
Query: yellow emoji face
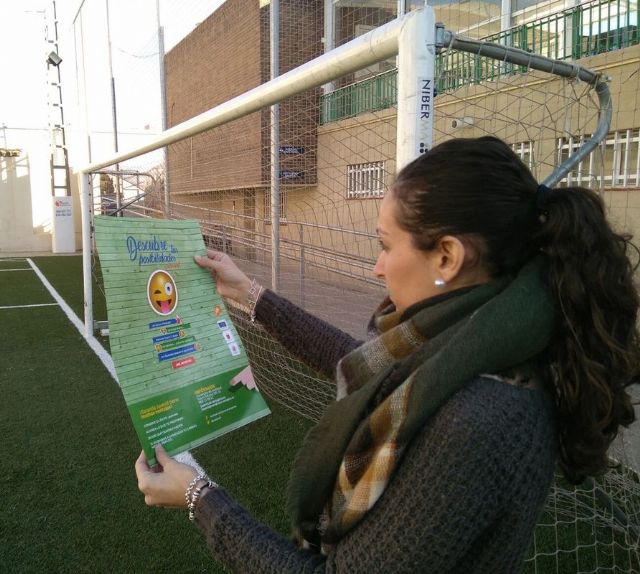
162	293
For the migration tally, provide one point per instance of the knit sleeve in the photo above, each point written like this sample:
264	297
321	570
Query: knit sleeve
465	499
316	342
244	545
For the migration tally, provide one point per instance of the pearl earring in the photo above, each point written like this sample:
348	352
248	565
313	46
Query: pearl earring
440	283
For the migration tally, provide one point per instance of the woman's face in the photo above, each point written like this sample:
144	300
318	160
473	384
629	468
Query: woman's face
408	272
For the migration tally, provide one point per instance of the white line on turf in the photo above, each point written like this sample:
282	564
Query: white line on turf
25	269
27	306
96	347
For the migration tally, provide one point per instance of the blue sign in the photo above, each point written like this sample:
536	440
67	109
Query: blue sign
288	174
291	150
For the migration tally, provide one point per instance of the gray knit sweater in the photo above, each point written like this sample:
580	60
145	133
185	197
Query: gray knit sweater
464	499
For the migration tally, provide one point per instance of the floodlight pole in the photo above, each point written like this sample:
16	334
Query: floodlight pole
114	113
163	110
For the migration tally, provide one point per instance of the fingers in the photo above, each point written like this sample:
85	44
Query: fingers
162	456
142	473
142	465
214	262
204	262
215	255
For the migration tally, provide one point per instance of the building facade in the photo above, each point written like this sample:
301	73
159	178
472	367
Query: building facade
337	144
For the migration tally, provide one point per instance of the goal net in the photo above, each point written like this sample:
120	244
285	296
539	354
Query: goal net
291	190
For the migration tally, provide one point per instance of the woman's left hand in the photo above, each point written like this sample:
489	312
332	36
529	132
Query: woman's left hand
165	484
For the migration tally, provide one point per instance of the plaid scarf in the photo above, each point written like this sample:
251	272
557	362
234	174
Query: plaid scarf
389	387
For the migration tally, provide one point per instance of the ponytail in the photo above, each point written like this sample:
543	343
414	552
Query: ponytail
595	354
478	188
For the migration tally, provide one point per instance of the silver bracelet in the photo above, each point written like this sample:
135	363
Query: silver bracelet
255	292
195	496
192	484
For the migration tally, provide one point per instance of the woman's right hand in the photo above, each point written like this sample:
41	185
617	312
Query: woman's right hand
230	281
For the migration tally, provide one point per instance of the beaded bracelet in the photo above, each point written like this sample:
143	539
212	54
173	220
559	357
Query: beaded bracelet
192	484
195	496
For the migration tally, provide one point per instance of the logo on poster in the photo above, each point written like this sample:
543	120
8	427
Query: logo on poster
151	251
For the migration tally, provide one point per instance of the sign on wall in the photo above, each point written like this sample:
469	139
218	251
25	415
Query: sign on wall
64	233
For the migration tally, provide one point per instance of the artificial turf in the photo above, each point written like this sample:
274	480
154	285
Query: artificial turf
69	500
22	288
69	497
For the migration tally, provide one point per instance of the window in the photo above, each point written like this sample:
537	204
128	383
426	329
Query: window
365	180
521	4
267	205
614	163
608	26
525	151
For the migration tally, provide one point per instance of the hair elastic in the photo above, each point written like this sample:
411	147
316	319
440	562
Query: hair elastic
541	193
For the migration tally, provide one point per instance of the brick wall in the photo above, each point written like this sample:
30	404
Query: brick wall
225	56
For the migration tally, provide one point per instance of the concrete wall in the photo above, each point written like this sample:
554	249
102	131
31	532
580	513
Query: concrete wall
25	191
536	97
17	230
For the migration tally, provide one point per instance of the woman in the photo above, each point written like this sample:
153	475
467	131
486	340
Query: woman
507	341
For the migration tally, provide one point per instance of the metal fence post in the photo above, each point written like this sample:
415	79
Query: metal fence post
301	228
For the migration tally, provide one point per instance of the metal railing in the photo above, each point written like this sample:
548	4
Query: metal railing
578	32
376	93
305	256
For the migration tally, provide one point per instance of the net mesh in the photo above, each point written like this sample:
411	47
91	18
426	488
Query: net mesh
337	158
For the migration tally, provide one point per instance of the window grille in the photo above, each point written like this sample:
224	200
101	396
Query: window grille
615	163
525	151
267	205
365	180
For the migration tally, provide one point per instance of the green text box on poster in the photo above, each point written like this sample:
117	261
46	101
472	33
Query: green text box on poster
181	365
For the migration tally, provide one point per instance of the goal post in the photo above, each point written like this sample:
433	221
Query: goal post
416	39
411	38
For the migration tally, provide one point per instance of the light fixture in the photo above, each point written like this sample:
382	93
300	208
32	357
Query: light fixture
54	59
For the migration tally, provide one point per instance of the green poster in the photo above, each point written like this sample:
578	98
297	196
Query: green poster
181	366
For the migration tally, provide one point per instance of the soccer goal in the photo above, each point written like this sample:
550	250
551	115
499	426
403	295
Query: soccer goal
288	175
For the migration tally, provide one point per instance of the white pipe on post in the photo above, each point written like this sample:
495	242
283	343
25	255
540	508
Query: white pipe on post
114	114
505	16
83	107
376	45
329	37
274	28
416	71
84	183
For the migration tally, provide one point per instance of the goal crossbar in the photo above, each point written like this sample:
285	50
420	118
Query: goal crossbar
415	38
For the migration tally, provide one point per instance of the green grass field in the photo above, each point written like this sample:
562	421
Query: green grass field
69	496
69	499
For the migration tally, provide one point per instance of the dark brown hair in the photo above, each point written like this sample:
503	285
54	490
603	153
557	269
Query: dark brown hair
479	189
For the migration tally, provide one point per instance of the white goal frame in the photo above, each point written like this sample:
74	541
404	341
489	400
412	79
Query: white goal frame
416	39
